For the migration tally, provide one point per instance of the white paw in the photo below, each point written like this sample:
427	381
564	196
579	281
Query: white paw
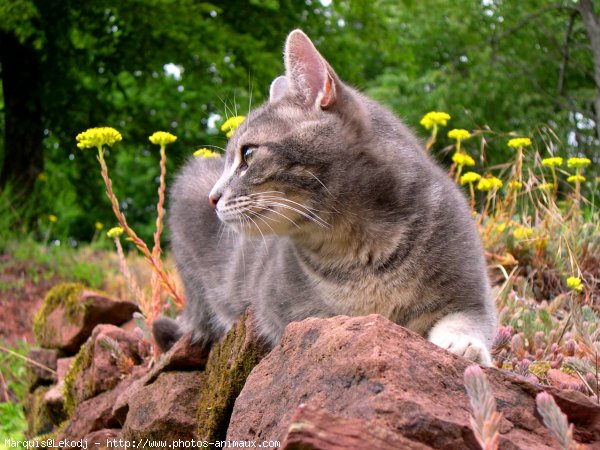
466	346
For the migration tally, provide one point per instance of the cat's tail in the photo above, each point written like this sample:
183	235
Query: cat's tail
166	332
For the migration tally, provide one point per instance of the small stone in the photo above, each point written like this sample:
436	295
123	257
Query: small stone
54	399
109	355
105	440
563	380
41	367
165	409
70	312
184	355
38	419
97	413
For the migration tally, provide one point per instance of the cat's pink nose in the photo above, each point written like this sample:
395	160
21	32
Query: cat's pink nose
214	199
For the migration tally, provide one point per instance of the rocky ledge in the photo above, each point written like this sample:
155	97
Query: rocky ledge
338	383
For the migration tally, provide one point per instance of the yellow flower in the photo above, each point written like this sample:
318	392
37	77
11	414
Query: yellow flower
515	185
576	178
42	177
541	242
459	134
522	232
206	153
52	218
462	159
519	142
97	137
99	226
114	232
489	183
574	283
552	162
231	124
501	227
435	118
162	138
578	163
546	186
469	177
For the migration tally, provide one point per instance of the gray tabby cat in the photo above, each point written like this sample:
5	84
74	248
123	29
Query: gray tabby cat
336	209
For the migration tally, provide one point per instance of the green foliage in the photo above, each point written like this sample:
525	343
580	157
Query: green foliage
13	423
491	63
49	260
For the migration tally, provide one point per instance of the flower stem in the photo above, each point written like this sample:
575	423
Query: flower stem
130	281
156	250
472	190
431	140
141	245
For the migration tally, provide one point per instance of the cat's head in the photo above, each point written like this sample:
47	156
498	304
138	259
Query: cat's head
292	161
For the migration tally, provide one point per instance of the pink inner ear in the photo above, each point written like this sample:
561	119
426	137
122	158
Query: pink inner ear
306	69
328	93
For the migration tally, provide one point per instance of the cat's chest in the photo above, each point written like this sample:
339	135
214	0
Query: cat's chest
368	294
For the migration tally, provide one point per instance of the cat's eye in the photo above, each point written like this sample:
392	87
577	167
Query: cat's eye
248	153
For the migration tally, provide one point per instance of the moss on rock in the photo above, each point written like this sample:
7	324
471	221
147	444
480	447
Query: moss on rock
82	362
229	364
38	418
65	295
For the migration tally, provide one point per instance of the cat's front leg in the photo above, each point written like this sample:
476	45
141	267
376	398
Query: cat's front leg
465	335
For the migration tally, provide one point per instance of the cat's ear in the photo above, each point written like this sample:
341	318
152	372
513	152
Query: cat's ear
308	74
279	87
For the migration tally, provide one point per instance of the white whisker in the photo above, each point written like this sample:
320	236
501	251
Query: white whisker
262	217
310	211
258	228
316	219
267	208
275	197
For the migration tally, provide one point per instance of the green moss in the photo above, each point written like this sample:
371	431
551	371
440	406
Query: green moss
539	369
228	366
82	361
64	295
38	419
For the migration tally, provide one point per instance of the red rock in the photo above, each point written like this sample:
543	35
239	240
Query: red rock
108	356
97	412
371	370
105	439
228	366
70	313
54	399
38	419
165	409
316	430
41	367
184	355
563	380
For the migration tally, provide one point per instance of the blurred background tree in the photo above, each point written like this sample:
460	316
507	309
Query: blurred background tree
183	66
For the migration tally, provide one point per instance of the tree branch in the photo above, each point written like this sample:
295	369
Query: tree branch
565	60
525	20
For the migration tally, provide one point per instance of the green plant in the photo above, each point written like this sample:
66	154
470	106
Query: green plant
556	421
12	374
485	420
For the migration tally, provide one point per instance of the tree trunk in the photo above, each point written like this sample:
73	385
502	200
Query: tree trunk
586	9
21	83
